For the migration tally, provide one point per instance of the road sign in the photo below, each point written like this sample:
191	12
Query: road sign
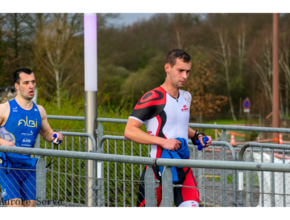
246	105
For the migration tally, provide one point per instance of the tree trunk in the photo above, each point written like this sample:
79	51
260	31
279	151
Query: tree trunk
178	39
16	36
286	96
229	95
226	56
57	88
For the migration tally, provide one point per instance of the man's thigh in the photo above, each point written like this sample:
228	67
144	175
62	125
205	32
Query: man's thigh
28	186
10	187
187	195
14	203
29	203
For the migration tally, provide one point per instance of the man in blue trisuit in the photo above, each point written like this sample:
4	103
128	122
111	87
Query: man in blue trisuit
21	120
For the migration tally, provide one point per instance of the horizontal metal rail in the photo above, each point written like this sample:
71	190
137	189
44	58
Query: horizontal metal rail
79	155
218	143
82	118
241	128
64	117
253	144
231	165
194	125
78	134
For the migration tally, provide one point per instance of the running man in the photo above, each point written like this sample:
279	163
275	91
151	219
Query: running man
165	112
20	122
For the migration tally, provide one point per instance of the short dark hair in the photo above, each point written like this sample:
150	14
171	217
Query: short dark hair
177	53
17	72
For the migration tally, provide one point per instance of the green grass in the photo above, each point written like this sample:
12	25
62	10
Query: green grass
230	179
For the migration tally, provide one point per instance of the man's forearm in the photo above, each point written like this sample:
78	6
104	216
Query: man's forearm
48	135
191	132
1	141
141	137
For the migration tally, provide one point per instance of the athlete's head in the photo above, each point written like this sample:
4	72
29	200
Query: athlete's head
177	53
24	82
177	67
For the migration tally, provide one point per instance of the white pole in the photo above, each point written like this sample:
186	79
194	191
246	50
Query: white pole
90	43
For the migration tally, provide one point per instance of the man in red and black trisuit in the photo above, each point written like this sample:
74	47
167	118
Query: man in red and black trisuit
165	112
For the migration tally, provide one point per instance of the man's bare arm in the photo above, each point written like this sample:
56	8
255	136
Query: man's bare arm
134	133
45	130
4	112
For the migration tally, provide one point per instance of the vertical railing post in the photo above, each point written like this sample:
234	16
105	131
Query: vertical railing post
150	188
248	195
40	181
167	188
99	169
37	142
272	181
199	177
223	137
224	180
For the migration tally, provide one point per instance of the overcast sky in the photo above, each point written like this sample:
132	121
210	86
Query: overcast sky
129	18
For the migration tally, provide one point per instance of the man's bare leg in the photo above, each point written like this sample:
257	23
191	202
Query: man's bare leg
14	203
29	203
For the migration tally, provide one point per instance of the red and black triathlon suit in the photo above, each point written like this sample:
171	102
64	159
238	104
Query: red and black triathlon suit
167	117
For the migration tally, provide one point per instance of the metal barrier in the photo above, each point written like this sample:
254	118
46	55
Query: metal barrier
207	177
70	171
266	180
149	179
200	173
134	149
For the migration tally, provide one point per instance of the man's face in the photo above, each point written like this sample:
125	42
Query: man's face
179	73
26	86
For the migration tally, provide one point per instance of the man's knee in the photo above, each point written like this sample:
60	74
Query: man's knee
189	203
14	203
29	203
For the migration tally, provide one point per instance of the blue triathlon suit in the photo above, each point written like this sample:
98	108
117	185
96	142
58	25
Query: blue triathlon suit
21	128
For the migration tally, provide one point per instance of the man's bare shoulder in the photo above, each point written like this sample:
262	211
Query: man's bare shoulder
42	111
4	112
4	107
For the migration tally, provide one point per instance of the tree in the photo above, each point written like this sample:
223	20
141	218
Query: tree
284	61
263	66
242	56
202	77
224	58
54	47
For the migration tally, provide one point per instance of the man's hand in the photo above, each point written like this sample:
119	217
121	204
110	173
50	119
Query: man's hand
171	144
57	137
6	143
200	137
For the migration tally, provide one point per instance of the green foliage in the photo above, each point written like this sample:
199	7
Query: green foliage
111	78
152	76
70	107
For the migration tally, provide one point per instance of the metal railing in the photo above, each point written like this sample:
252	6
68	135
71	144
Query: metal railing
269	180
200	173
123	146
73	172
149	181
